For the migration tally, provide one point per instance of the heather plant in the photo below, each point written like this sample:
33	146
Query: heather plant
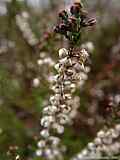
57	114
70	70
105	145
92	113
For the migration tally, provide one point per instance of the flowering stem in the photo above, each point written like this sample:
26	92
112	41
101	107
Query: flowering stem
70	66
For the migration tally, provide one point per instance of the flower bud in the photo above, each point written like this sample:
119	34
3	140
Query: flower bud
56	29
63	14
91	22
62	28
75	9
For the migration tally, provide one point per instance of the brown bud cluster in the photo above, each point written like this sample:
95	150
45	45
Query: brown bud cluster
70	24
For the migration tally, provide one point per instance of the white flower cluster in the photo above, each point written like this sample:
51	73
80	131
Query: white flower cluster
107	143
60	110
22	23
45	64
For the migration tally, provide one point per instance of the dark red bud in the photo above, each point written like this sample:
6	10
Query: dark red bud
63	14
75	9
62	27
56	29
92	22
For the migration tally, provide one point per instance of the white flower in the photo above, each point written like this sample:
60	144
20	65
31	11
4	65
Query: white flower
117	99
55	140
36	82
48	153
40	62
63	61
84	152
46	121
39	152
101	134
91	146
63	119
67	83
90	46
44	133
41	144
84	54
60	129
50	110
98	141
57	66
63	53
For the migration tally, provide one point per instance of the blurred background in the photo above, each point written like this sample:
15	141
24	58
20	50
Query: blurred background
26	37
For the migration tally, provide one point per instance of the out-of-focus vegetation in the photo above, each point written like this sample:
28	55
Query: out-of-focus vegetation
21	101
